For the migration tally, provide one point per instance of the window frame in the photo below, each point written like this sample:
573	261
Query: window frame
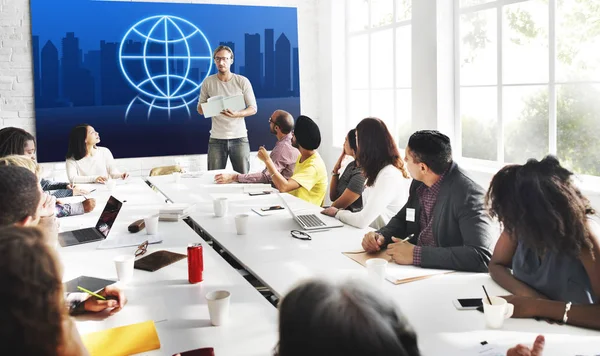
552	85
394	26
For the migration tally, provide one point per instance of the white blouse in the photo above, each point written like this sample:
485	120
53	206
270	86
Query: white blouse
87	169
381	202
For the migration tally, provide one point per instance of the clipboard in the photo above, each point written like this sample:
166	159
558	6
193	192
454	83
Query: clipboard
396	274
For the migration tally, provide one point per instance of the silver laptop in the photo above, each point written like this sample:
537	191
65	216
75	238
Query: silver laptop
97	233
312	221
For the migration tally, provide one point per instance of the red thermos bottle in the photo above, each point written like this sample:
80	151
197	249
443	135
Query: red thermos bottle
195	263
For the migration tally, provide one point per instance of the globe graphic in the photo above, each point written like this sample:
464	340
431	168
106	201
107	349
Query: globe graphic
165	59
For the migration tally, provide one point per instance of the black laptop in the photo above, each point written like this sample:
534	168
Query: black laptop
97	233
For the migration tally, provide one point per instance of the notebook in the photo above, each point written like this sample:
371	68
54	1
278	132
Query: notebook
397	274
123	341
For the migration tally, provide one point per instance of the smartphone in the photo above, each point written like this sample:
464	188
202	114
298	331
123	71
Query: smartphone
253	194
467	304
276	207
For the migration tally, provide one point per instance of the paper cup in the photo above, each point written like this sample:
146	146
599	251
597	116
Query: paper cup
218	306
376	269
124	266
241	224
151	223
220	206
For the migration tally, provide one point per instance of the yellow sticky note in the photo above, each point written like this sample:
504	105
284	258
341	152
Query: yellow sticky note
123	341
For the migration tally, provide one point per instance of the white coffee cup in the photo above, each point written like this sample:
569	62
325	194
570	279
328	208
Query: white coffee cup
151	223
496	312
220	206
376	269
124	266
218	306
111	184
241	224
177	177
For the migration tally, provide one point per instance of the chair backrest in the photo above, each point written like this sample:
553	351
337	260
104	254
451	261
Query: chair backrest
165	170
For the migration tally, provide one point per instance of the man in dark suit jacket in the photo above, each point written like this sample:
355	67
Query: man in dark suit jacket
444	220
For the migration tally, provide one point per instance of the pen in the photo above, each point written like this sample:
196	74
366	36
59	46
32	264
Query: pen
91	293
407	237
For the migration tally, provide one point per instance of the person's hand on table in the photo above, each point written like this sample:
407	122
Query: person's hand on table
115	299
331	211
372	241
225	178
401	251
536	350
77	191
124	175
101	179
89	205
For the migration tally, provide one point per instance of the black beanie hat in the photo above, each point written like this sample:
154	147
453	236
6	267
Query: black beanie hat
307	133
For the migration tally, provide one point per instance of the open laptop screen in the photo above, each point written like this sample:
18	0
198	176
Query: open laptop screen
109	215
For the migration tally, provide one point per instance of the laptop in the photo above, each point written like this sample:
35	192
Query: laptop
97	233
312	221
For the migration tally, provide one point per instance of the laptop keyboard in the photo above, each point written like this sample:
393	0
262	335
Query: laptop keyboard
86	235
311	220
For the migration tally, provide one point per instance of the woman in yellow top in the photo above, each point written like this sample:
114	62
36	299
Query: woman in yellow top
309	180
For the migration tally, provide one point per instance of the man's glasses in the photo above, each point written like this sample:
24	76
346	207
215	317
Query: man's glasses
141	249
301	235
218	59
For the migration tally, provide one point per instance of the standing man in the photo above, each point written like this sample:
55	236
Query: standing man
284	155
228	135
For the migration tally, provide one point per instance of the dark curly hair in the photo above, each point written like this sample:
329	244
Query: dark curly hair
538	204
376	149
318	318
33	309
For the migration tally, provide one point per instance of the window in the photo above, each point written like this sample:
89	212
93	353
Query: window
378	42
528	81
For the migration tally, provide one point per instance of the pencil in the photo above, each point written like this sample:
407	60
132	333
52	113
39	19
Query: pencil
91	293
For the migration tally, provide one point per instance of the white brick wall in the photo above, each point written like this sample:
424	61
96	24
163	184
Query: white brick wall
16	85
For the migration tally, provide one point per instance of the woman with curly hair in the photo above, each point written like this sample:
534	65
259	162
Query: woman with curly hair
548	254
33	317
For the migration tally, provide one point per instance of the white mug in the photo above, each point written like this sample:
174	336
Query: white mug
241	224
220	206
496	312
218	306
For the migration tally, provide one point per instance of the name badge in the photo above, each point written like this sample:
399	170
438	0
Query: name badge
410	214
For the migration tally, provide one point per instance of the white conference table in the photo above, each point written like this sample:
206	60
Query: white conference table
280	261
178	308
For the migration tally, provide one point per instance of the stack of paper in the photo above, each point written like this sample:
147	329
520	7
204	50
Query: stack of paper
174	212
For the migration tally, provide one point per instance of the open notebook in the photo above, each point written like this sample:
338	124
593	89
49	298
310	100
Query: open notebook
397	274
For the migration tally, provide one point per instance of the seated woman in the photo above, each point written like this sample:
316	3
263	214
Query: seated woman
34	319
88	163
62	209
16	141
548	255
319	318
387	180
345	190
